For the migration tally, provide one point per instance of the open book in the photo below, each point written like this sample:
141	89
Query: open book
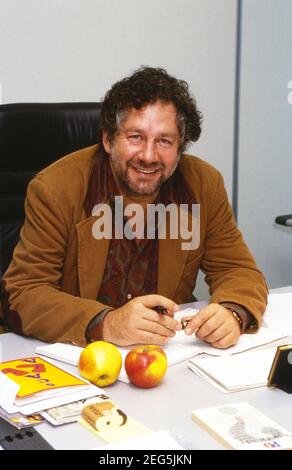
240	426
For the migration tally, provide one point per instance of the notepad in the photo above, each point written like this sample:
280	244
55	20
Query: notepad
236	372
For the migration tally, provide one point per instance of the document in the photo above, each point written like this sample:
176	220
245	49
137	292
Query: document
64	352
240	426
246	342
236	372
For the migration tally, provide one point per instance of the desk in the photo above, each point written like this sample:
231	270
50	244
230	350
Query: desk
167	406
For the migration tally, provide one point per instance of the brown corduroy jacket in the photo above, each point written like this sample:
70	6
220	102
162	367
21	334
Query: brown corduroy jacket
51	286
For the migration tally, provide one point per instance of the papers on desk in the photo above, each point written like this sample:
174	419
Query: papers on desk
236	372
184	347
233	372
279	312
64	352
68	353
179	349
30	390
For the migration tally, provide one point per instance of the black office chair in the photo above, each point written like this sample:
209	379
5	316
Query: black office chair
284	220
31	137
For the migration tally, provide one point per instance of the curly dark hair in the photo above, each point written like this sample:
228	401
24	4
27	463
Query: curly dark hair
148	85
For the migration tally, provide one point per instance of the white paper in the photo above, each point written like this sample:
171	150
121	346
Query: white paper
236	372
278	314
64	352
246	341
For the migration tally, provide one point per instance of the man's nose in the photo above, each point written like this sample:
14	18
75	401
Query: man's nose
149	154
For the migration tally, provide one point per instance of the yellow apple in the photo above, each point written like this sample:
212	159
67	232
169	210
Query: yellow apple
146	365
100	363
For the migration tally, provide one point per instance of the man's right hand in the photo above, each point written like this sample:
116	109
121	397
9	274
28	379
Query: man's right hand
136	322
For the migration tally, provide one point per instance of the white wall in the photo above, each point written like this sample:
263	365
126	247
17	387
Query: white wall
265	154
73	50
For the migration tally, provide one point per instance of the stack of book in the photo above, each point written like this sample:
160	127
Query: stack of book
240	426
33	384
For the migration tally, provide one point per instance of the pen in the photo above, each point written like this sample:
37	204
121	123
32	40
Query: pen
160	309
163	311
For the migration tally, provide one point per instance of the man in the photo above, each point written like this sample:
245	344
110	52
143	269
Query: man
67	282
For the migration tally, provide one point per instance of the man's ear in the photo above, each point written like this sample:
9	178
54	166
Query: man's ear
106	141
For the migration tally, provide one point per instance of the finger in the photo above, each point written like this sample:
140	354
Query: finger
212	325
163	311
217	334
228	340
161	319
200	318
153	300
145	337
157	328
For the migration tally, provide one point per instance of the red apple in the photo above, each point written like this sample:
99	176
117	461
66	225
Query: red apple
146	365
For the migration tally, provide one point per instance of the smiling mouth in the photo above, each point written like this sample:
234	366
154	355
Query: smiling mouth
145	171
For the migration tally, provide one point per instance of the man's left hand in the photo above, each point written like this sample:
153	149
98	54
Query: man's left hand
216	325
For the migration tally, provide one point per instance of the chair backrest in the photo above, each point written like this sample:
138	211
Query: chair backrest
284	220
33	135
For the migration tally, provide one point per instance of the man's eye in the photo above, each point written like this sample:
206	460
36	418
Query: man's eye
165	142
135	137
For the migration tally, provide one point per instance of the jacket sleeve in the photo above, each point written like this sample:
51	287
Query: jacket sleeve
229	267
33	303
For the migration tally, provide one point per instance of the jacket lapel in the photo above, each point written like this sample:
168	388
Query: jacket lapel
172	257
92	256
171	263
